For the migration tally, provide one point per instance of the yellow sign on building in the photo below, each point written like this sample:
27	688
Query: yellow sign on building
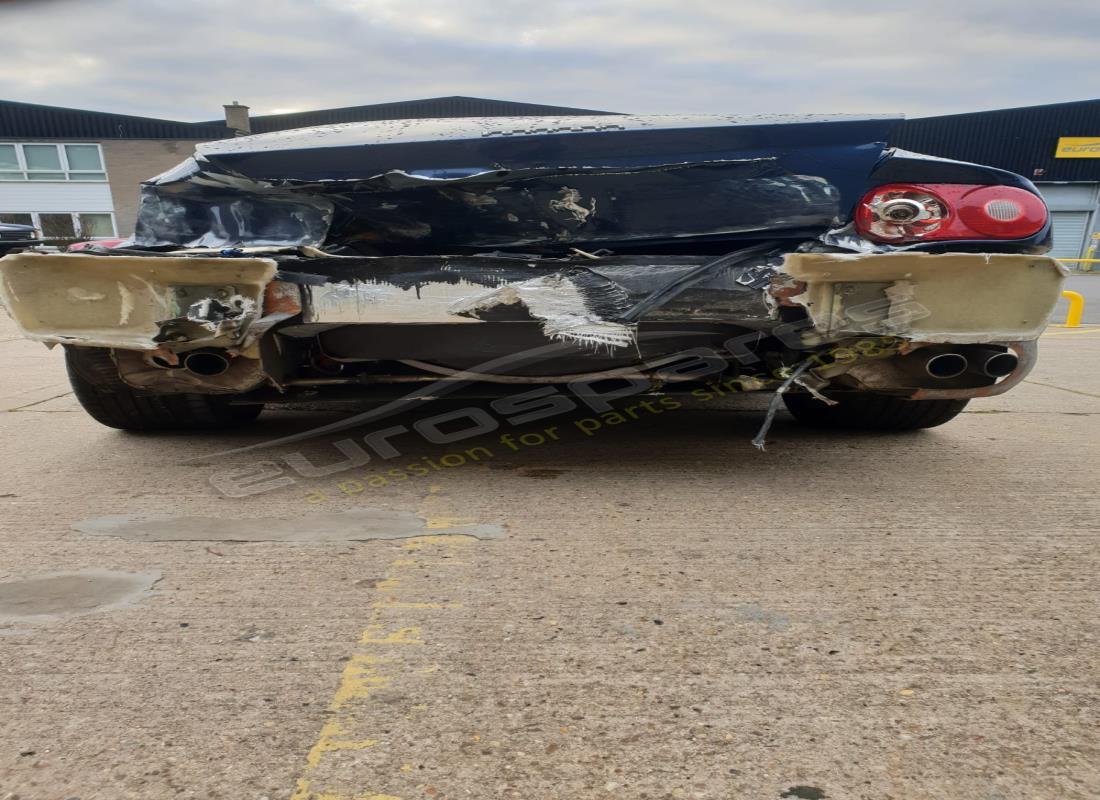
1078	147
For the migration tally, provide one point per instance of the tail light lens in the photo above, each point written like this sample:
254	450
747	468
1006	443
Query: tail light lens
900	213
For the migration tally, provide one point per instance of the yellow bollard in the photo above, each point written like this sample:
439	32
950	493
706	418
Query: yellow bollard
1076	308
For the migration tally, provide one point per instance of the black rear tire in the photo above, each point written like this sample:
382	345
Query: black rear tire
875	412
114	403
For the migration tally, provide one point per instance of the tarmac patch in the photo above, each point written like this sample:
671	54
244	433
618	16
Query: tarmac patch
57	595
354	525
754	613
805	793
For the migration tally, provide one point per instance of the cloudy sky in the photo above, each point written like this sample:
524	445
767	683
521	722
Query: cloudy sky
181	59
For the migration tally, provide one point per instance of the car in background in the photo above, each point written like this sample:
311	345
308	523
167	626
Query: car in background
13	235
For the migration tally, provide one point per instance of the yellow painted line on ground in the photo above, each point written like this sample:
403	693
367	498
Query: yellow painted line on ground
367	671
359	680
437	523
1074	333
439	540
329	741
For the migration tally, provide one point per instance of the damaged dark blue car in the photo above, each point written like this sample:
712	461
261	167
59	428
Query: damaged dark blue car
864	286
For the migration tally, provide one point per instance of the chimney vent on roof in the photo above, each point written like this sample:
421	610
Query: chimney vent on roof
236	117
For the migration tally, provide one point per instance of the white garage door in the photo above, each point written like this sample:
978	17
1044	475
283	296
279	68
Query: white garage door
1070	228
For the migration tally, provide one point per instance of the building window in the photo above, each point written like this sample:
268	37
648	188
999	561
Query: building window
96	226
76	225
51	162
17	219
57	226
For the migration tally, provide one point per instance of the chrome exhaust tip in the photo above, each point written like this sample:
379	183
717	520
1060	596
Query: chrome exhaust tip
1000	364
207	363
946	365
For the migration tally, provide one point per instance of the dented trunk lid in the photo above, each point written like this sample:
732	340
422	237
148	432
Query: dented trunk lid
535	183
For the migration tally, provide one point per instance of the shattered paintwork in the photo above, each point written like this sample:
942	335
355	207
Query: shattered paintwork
367	301
596	301
567	306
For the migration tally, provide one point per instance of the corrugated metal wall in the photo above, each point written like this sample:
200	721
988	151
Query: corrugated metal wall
1022	140
1071	229
1073	209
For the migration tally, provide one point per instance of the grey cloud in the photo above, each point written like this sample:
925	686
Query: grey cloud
183	60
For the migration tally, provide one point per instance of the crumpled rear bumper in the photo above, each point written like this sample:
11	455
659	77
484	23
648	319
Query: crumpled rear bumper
135	302
961	298
957	299
165	306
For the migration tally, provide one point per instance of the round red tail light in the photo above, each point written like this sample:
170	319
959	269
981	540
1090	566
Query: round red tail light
1002	212
901	213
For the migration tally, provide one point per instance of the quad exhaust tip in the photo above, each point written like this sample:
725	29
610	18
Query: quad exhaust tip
1000	364
946	365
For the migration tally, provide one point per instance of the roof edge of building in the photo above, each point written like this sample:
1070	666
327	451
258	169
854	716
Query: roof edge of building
1039	107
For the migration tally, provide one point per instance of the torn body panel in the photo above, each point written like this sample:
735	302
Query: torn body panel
582	300
196	206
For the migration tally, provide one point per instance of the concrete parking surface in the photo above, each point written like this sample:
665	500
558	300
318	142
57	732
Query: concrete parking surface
652	609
